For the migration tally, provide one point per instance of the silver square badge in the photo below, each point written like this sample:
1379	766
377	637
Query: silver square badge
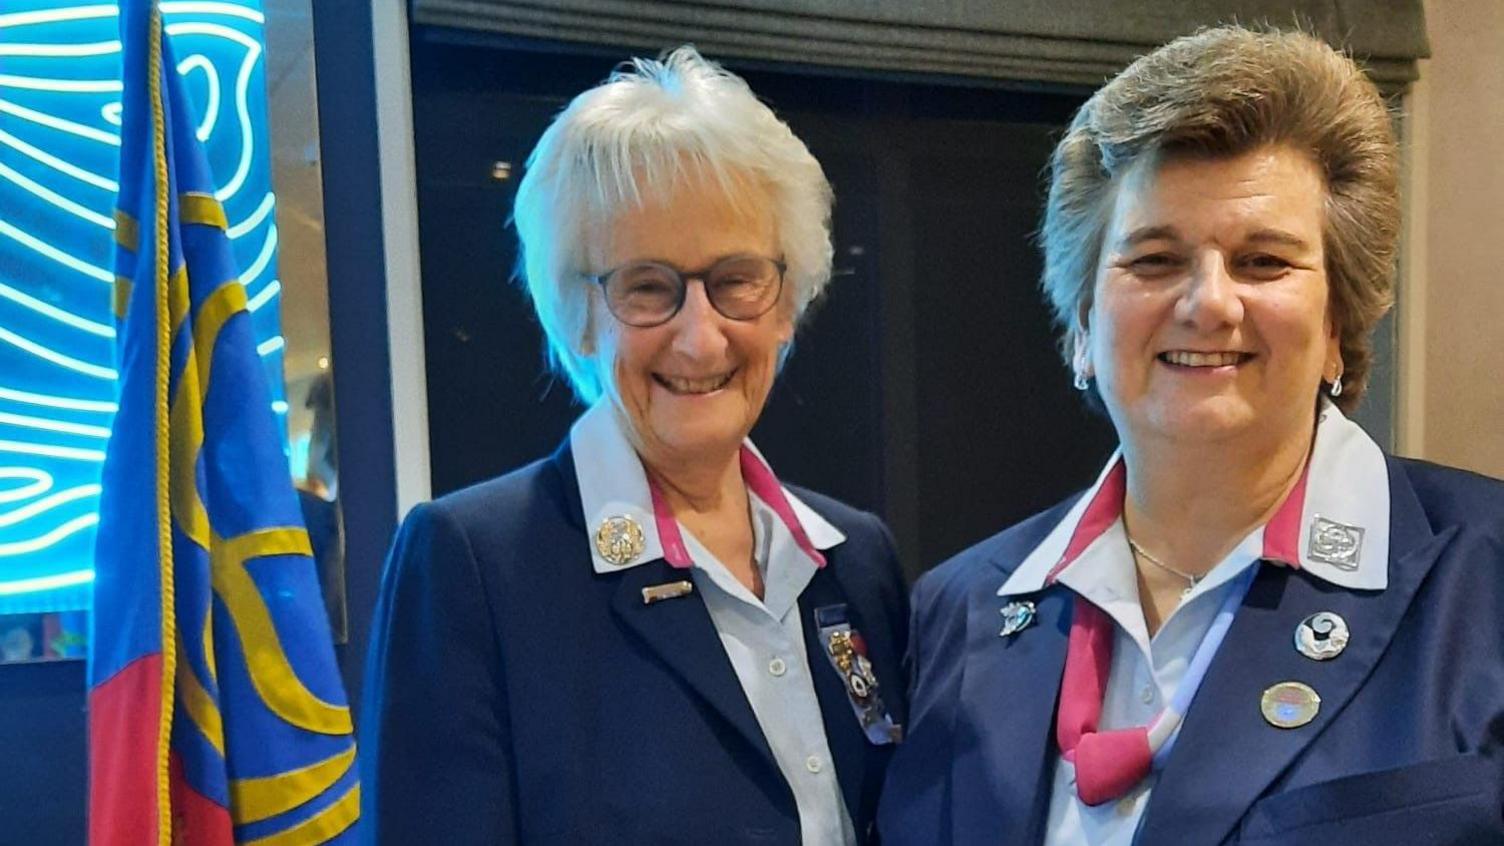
1337	544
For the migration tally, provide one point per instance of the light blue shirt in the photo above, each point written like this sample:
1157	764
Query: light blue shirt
1144	675
763	638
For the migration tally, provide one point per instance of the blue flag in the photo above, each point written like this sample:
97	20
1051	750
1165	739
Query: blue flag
216	710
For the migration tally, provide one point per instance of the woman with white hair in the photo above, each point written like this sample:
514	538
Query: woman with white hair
645	637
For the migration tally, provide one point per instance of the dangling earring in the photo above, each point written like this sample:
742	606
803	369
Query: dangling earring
1078	366
1336	389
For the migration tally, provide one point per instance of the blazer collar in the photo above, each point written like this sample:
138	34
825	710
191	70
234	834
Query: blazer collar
1334	525
613	483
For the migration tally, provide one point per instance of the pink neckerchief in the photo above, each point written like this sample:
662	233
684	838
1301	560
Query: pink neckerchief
762	483
1110	763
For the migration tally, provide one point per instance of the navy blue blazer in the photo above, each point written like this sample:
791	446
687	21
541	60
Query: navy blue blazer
1403	750
515	696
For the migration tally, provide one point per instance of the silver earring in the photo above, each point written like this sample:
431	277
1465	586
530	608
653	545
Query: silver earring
1336	389
1080	382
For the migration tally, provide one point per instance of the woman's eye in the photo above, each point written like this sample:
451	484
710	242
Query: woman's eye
644	285
1265	266
1155	264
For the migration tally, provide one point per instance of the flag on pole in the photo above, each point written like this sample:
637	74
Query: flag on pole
216	710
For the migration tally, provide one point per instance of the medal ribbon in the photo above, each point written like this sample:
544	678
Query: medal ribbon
1109	763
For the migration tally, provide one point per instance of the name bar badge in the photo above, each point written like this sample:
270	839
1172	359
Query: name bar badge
668	590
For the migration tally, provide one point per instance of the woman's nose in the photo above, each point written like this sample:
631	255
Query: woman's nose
1210	299
697	326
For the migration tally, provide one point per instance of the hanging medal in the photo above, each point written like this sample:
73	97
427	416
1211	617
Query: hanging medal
847	652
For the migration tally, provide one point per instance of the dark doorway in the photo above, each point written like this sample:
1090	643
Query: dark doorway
925	387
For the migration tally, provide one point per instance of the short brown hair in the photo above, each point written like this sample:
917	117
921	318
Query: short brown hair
1223	92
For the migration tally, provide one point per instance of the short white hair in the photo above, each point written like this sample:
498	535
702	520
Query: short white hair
653	127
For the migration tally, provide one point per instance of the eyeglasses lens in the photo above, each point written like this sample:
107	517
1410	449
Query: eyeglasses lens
647	294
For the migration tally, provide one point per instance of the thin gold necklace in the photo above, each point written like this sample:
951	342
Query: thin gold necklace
1144	554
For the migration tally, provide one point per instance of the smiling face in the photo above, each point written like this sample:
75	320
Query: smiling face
1210	317
692	387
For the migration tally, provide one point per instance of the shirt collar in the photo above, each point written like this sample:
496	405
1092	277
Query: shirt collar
786	568
613	484
1334	524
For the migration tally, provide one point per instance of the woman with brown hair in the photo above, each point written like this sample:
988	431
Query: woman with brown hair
1255	627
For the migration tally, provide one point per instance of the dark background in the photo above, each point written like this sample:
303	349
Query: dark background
925	387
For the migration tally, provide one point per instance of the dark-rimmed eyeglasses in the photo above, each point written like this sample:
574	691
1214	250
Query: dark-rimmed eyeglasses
649	293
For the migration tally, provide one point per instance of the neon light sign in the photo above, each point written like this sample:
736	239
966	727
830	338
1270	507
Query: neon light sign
59	144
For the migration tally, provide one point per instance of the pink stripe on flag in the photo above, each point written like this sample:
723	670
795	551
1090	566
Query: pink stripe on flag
124	712
199	820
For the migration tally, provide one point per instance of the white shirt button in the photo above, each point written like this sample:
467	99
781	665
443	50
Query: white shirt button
814	764
1147	694
777	667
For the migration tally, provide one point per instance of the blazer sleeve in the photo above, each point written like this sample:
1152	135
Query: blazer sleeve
922	631
436	746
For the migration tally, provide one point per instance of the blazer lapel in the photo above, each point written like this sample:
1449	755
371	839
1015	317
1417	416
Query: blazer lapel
679	633
1227	755
1000	778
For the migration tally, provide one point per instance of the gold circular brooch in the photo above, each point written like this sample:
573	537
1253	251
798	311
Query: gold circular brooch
619	540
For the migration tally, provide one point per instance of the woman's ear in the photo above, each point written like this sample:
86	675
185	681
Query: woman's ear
785	328
587	346
1333	368
1333	351
1080	354
786	313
